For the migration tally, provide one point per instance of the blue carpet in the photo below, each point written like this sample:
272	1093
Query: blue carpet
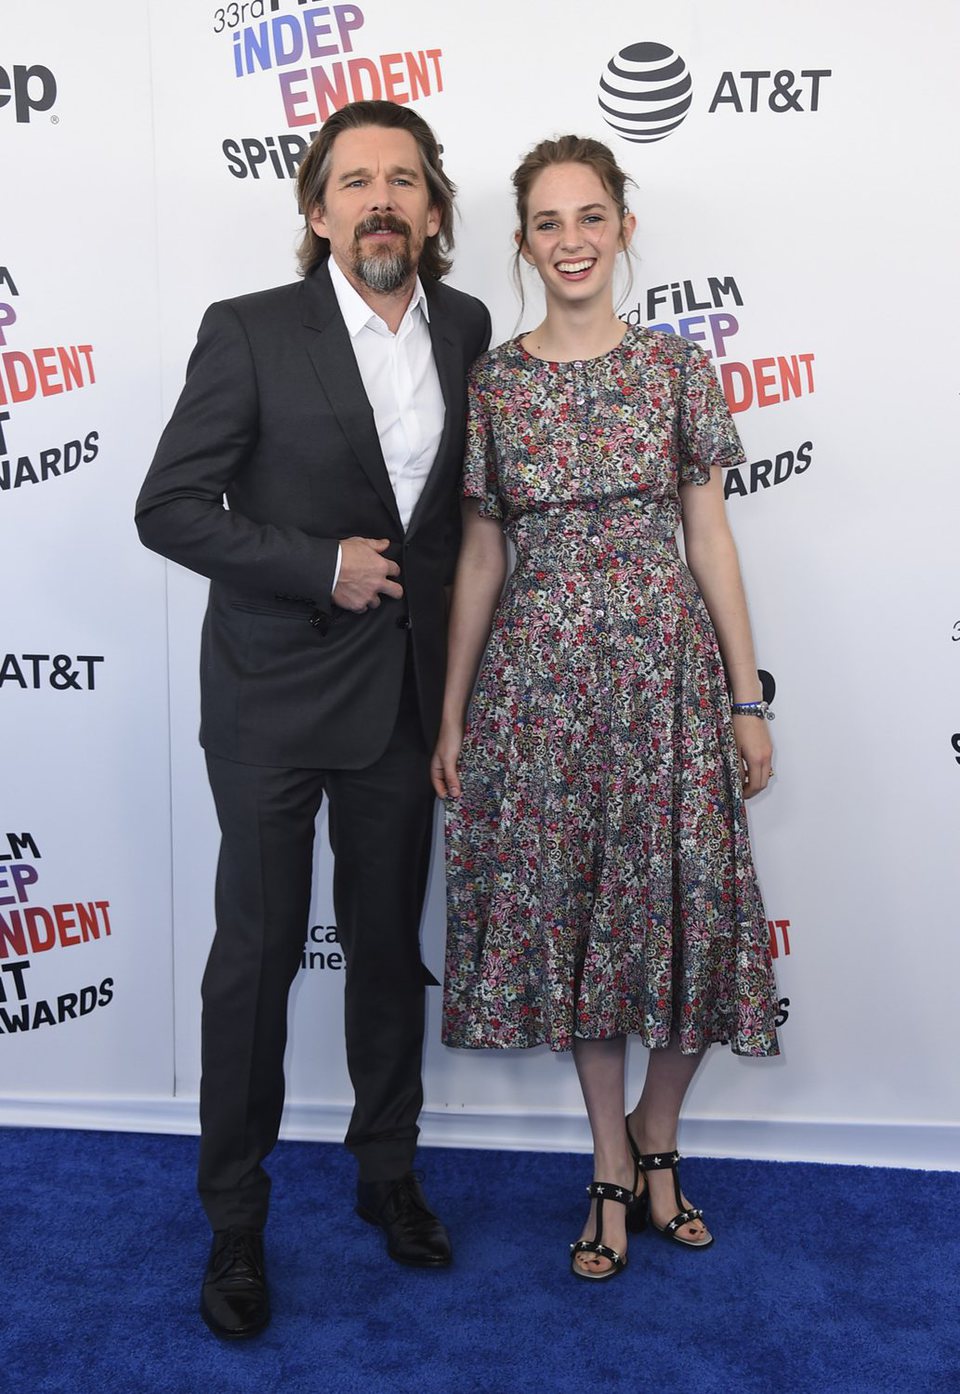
840	1280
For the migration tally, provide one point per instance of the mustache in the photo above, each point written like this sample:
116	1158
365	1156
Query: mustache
381	222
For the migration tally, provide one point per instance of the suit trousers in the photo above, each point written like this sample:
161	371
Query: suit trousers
380	821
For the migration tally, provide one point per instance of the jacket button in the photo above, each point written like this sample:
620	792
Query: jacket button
403	622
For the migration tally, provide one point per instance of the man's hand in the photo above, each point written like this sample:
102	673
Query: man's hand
365	574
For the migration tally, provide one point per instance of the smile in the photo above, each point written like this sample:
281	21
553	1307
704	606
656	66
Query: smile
575	268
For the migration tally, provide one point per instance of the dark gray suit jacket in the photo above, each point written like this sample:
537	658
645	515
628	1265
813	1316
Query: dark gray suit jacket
274	418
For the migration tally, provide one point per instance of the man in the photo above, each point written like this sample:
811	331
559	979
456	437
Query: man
330	415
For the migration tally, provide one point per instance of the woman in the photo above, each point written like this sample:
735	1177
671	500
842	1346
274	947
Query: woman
599	869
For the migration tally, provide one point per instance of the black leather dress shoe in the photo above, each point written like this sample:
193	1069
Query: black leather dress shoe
234	1301
414	1234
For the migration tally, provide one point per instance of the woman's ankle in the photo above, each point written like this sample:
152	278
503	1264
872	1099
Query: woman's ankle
614	1167
652	1138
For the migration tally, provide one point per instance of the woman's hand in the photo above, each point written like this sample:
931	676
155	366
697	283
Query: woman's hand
444	774
756	753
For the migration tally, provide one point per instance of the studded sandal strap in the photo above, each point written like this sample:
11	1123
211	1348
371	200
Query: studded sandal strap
685	1217
659	1161
593	1246
606	1190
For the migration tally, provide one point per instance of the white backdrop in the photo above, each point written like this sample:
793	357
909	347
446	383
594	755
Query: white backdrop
827	221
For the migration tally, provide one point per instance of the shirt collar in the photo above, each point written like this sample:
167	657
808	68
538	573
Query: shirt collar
357	314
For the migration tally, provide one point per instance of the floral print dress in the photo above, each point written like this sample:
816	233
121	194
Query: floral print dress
600	880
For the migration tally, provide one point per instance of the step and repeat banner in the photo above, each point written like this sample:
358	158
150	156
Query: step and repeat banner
795	217
85	943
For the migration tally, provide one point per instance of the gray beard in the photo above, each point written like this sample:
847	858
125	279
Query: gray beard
385	273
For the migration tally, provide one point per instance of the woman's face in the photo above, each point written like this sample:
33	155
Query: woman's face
573	234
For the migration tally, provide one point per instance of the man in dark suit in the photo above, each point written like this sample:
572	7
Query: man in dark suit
330	416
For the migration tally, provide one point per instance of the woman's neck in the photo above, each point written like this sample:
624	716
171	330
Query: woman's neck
575	332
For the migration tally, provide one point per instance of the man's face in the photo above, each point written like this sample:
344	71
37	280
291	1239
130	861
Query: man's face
376	212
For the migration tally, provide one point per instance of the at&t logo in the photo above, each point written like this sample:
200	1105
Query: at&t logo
780	91
646	91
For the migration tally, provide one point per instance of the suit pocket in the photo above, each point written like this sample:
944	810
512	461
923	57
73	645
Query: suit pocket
283	612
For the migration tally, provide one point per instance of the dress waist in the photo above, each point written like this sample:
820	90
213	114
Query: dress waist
591	533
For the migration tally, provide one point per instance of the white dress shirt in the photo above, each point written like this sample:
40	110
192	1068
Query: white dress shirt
400	379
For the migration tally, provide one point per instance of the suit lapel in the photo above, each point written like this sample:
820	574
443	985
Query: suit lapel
335	364
446	356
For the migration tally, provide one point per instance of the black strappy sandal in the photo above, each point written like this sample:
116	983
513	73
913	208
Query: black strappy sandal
601	1191
638	1210
670	1161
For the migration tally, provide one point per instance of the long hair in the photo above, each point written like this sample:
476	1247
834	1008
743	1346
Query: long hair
314	172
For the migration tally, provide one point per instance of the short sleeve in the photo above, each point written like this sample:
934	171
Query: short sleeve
480	480
706	433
